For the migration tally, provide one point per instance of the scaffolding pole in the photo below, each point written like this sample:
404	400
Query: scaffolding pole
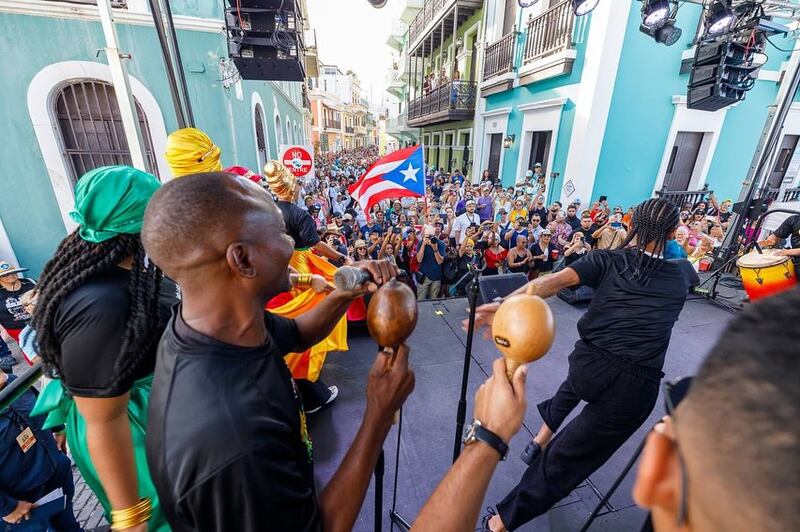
122	88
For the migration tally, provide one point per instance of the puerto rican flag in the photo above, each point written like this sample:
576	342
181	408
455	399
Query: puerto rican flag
400	174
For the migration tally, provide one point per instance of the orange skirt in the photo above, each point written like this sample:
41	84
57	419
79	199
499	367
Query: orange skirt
308	364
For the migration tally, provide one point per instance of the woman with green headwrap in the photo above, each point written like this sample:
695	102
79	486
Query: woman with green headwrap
102	308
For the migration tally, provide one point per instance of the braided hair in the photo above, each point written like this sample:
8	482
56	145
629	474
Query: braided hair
75	262
653	221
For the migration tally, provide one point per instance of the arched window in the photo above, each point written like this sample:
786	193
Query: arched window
261	137
278	132
287	133
90	126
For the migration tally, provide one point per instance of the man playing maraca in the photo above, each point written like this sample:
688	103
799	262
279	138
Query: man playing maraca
615	366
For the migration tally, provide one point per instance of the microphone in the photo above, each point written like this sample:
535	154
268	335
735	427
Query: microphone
348	277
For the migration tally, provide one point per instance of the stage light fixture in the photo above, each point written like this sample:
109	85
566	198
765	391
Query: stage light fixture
377	3
655	13
582	7
668	34
526	3
720	17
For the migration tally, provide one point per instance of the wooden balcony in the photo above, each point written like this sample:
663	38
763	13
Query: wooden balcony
452	101
548	49
435	22
498	62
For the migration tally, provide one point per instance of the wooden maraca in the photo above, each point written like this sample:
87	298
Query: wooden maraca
391	317
392	314
523	329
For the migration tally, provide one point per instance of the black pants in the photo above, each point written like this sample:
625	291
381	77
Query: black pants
314	394
620	397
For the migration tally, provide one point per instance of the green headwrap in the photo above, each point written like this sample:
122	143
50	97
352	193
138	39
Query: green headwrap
110	200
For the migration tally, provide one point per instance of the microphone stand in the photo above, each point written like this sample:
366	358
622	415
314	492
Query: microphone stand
461	414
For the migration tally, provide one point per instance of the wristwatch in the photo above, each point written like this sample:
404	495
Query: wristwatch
477	432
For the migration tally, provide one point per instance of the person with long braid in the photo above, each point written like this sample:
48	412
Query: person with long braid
102	308
615	366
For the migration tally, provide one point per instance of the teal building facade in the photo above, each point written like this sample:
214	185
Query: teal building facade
603	107
60	116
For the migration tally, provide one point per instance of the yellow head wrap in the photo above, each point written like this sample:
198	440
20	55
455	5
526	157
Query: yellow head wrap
280	180
190	151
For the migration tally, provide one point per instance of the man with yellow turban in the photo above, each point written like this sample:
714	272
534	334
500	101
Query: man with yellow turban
190	151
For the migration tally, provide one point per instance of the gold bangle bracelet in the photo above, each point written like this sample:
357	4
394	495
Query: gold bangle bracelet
304	280
132	516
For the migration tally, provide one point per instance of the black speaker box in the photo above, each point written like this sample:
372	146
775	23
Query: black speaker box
493	286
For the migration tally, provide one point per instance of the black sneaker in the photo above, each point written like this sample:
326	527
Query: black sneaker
490	512
532	450
331	398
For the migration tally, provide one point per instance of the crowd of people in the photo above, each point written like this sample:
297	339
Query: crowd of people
459	225
211	293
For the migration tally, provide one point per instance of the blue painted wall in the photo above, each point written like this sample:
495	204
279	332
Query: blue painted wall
539	91
28	206
642	110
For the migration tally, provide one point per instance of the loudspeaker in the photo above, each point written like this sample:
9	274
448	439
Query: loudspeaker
265	39
582	294
494	286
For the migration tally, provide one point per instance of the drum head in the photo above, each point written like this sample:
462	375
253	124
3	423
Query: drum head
754	259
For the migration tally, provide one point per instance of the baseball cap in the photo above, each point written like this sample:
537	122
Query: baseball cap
313	207
577	201
537	165
347	216
470	202
545	232
529	173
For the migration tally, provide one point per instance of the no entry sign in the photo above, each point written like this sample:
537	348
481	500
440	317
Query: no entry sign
298	160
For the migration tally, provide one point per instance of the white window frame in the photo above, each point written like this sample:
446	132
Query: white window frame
495	121
539	116
41	93
691	120
256	101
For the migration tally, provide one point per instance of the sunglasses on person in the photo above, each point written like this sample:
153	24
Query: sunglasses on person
536	219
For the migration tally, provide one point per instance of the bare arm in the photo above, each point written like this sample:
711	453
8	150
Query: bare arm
387	387
327	251
500	407
108	437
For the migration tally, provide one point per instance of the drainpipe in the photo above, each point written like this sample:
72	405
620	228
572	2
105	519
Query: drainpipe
122	88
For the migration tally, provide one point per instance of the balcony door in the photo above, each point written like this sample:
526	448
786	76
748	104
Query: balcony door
495	147
682	160
785	154
540	148
448	147
509	16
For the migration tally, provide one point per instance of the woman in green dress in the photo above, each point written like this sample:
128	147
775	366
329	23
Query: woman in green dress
102	308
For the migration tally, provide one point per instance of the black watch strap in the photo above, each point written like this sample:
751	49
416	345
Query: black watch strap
493	440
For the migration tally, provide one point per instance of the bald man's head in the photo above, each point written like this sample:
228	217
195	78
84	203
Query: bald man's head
202	224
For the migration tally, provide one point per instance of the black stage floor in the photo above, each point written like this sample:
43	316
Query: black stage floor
437	354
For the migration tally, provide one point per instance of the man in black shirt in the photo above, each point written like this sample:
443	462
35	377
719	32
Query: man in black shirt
227	441
615	366
790	228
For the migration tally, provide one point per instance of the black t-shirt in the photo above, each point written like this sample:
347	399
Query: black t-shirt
627	318
12	315
90	327
299	225
574	222
541	213
226	441
790	228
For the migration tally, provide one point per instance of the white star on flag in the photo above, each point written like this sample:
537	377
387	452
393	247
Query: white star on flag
410	173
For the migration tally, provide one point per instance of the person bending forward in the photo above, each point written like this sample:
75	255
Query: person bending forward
615	366
227	440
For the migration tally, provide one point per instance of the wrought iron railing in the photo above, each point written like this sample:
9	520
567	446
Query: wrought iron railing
429	11
499	56
680	197
349	129
333	124
550	32
773	194
453	96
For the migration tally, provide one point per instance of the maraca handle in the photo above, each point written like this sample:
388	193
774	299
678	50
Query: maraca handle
511	367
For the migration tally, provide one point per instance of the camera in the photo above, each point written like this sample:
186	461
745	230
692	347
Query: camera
396	230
